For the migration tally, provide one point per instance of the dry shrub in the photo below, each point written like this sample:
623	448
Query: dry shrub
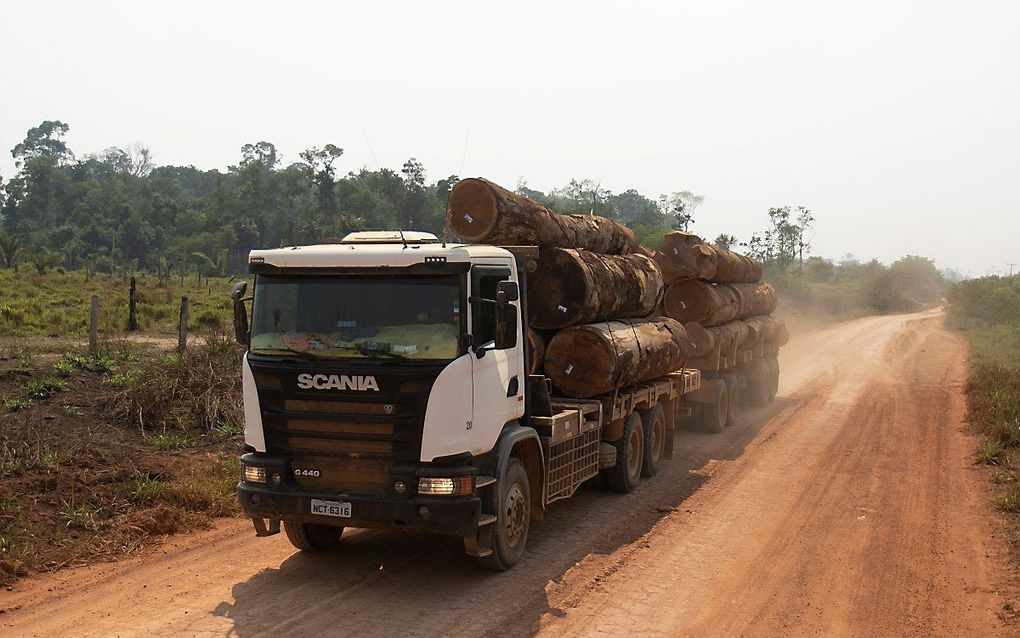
201	388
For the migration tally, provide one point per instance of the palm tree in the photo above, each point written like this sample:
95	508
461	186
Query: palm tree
11	252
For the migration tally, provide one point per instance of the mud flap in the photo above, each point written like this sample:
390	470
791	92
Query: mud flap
262	529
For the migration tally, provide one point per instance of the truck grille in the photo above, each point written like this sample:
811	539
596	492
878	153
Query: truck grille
358	442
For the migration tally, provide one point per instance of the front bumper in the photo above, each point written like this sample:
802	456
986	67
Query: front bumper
456	515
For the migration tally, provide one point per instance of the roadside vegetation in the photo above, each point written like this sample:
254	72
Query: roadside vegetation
987	312
103	454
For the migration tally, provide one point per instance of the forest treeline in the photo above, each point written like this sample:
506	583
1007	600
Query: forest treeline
117	211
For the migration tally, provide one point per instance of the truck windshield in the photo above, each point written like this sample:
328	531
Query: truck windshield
396	317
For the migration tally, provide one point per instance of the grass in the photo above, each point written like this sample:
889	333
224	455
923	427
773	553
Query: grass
57	304
171	441
989	453
44	388
146	488
16	404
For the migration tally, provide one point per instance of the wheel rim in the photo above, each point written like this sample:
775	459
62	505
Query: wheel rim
656	440
516	515
634	454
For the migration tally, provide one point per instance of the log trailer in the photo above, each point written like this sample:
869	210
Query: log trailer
385	384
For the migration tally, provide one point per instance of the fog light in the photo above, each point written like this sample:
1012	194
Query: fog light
254	474
400	487
446	486
423	511
276	479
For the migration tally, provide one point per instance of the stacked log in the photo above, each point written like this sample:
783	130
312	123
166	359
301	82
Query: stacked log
588	360
715	304
683	255
570	287
595	294
482	212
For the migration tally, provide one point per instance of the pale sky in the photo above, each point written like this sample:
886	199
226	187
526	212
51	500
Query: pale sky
896	122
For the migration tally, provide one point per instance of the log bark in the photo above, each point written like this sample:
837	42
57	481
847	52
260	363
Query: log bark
536	351
715	304
685	255
585	361
572	287
734	333
702	339
694	300
762	329
479	211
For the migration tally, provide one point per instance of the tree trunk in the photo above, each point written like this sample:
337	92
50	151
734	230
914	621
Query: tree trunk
572	287
685	255
584	361
707	304
536	351
755	299
702	339
716	304
479	211
730	334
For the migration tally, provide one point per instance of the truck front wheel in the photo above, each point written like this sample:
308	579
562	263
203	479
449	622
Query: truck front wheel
513	519
310	537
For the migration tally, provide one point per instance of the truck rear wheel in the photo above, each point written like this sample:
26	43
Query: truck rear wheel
733	391
715	414
654	423
773	368
513	519
311	537
758	389
630	453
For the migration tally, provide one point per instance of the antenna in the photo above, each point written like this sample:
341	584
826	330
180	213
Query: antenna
370	149
463	156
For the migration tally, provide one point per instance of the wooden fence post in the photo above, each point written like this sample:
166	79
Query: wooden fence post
182	329
133	307
94	326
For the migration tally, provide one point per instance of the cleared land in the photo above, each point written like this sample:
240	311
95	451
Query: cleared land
849	507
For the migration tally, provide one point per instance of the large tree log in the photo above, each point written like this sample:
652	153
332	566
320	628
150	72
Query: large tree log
536	351
584	361
694	300
715	304
702	339
762	329
571	287
482	212
685	255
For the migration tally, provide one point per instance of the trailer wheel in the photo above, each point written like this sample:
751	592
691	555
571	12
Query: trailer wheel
758	389
513	519
733	390
715	414
773	367
311	537
653	422
630	452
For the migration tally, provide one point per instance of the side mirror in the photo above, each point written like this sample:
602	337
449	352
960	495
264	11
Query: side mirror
507	291
240	313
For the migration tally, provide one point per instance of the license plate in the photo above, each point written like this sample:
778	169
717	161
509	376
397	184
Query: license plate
331	508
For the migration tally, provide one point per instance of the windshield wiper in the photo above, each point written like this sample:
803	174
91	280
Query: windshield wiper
300	353
372	353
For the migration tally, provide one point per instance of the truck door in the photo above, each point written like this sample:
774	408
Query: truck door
497	382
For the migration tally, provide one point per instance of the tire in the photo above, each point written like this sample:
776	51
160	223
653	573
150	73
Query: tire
653	423
758	389
630	453
311	537
773	366
733	390
513	519
714	415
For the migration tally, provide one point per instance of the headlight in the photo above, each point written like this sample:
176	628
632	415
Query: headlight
254	474
444	486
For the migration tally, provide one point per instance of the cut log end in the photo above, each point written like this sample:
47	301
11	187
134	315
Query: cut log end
473	210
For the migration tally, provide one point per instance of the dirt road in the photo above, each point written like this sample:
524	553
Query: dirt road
849	507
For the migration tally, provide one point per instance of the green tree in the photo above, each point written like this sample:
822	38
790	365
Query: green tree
725	241
45	140
680	207
11	251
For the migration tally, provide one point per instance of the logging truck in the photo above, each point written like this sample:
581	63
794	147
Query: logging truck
387	382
